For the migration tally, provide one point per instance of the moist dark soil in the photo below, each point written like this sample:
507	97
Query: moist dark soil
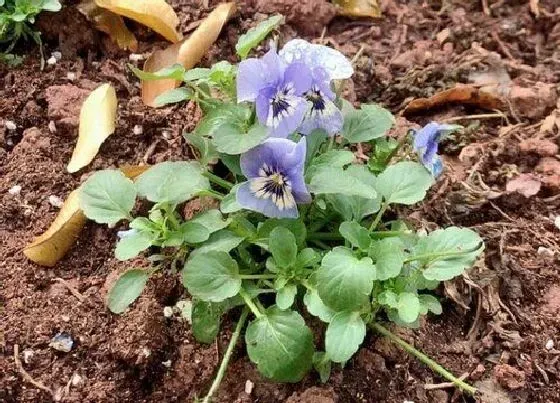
500	326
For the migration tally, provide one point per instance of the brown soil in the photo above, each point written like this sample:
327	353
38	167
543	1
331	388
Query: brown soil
497	320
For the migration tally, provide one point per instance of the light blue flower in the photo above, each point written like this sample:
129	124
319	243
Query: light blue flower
275	183
426	142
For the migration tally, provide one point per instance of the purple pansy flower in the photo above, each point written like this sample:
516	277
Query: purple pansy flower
277	88
326	64
275	182
426	145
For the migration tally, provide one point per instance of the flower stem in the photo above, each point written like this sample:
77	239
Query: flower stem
380	213
211	193
218	181
249	302
227	356
257	276
434	366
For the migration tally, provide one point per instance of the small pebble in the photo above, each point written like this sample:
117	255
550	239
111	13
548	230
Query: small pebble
557	222
62	342
138	130
146	352
249	386
52	126
542	251
57	55
27	355
166	135
55	201
168	311
15	190
10	125
76	380
71	76
51	61
135	57
65	318
166	364
549	345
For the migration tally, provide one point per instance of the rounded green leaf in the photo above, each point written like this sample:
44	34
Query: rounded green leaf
316	307
367	123
232	139
354	233
194	232
408	307
333	180
205	318
212	276
255	35
389	256
282	244
429	303
126	289
133	243
344	282
285	296
107	197
172	182
344	335
404	183
281	345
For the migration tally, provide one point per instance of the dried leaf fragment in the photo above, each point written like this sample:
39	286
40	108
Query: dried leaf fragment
155	14
53	244
358	8
462	94
187	53
97	122
111	24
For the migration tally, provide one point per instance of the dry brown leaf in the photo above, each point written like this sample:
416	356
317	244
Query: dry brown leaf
462	94
53	244
110	23
358	8
156	14
188	52
97	122
132	171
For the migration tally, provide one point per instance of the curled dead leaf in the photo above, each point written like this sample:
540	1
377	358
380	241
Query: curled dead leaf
358	8
97	122
462	94
187	53
53	244
111	24
155	14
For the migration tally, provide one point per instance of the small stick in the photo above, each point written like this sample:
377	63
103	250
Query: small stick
444	385
485	8
472	117
26	376
72	290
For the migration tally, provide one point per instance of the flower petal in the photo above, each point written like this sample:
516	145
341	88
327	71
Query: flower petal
329	119
289	120
298	77
251	79
248	200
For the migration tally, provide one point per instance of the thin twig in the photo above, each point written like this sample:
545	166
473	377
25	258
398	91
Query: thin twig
472	117
26	376
444	385
72	290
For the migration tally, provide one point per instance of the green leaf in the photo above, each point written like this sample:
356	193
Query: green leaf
212	220
408	307
174	72
316	307
389	298
107	197
308	257
221	241
126	289
297	227
322	365
332	180
51	5
229	203
196	74
173	96
212	276
344	282
132	243
354	233
389	256
282	244
194	232
255	35
280	344
332	158
172	182
429	303
453	242
285	296
224	114
205	318
233	140
314	141
367	123
204	145
232	162
404	183
344	336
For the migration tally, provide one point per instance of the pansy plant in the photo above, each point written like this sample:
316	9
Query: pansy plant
299	224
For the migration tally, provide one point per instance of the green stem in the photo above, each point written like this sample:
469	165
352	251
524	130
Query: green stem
441	254
434	366
211	193
227	356
324	236
331	143
254	309
218	181
380	213
257	276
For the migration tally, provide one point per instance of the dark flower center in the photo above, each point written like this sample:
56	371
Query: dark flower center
318	102
275	185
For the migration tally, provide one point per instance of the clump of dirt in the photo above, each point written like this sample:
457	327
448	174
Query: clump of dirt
500	321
